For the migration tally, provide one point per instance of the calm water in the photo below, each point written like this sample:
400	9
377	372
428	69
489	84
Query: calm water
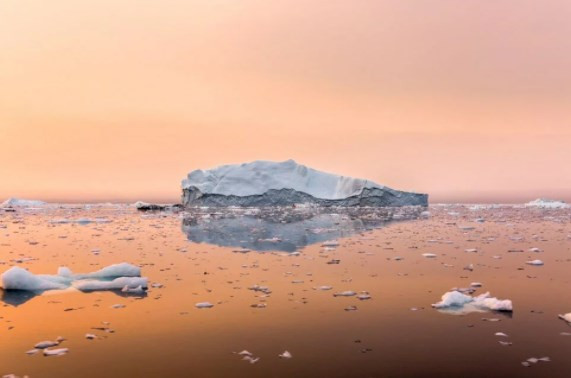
396	333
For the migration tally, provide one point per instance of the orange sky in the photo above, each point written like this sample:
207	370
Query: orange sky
118	99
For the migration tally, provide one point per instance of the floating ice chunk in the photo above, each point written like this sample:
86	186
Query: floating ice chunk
535	249
453	299
476	284
494	304
331	243
285	354
566	317
116	284
251	359
32	351
245	353
456	302
347	293
17	278
113	271
429	255
534	262
204	305
364	296
46	344
501	334
324	287
56	352
90	336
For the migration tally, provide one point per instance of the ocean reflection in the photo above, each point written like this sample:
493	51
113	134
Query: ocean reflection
17	298
286	230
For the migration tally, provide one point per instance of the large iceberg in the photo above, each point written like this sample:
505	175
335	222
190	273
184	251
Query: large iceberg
267	183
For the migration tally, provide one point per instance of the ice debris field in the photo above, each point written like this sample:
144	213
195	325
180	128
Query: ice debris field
252	292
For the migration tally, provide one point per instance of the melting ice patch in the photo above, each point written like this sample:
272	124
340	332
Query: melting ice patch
457	303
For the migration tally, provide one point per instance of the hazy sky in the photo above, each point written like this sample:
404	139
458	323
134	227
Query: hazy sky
118	99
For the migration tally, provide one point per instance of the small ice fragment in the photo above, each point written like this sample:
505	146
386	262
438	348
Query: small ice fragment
118	306
204	305
56	352
331	243
476	284
245	353
347	293
471	250
534	262
285	354
251	359
566	317
46	344
535	249
505	343
429	255
90	336
501	334
324	287
32	351
364	296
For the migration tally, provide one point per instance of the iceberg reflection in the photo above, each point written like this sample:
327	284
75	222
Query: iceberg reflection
286	229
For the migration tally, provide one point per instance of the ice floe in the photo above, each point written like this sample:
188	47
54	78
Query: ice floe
455	302
124	277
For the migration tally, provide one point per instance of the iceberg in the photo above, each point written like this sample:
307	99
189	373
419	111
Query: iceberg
267	183
455	302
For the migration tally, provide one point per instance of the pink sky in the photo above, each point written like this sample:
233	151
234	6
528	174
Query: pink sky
117	100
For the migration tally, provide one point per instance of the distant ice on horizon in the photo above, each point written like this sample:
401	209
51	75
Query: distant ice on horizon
17	202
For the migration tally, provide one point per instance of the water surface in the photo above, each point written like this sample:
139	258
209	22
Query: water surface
396	333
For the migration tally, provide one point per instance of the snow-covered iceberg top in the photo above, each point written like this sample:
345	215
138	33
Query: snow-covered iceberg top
455	302
258	177
16	202
545	203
